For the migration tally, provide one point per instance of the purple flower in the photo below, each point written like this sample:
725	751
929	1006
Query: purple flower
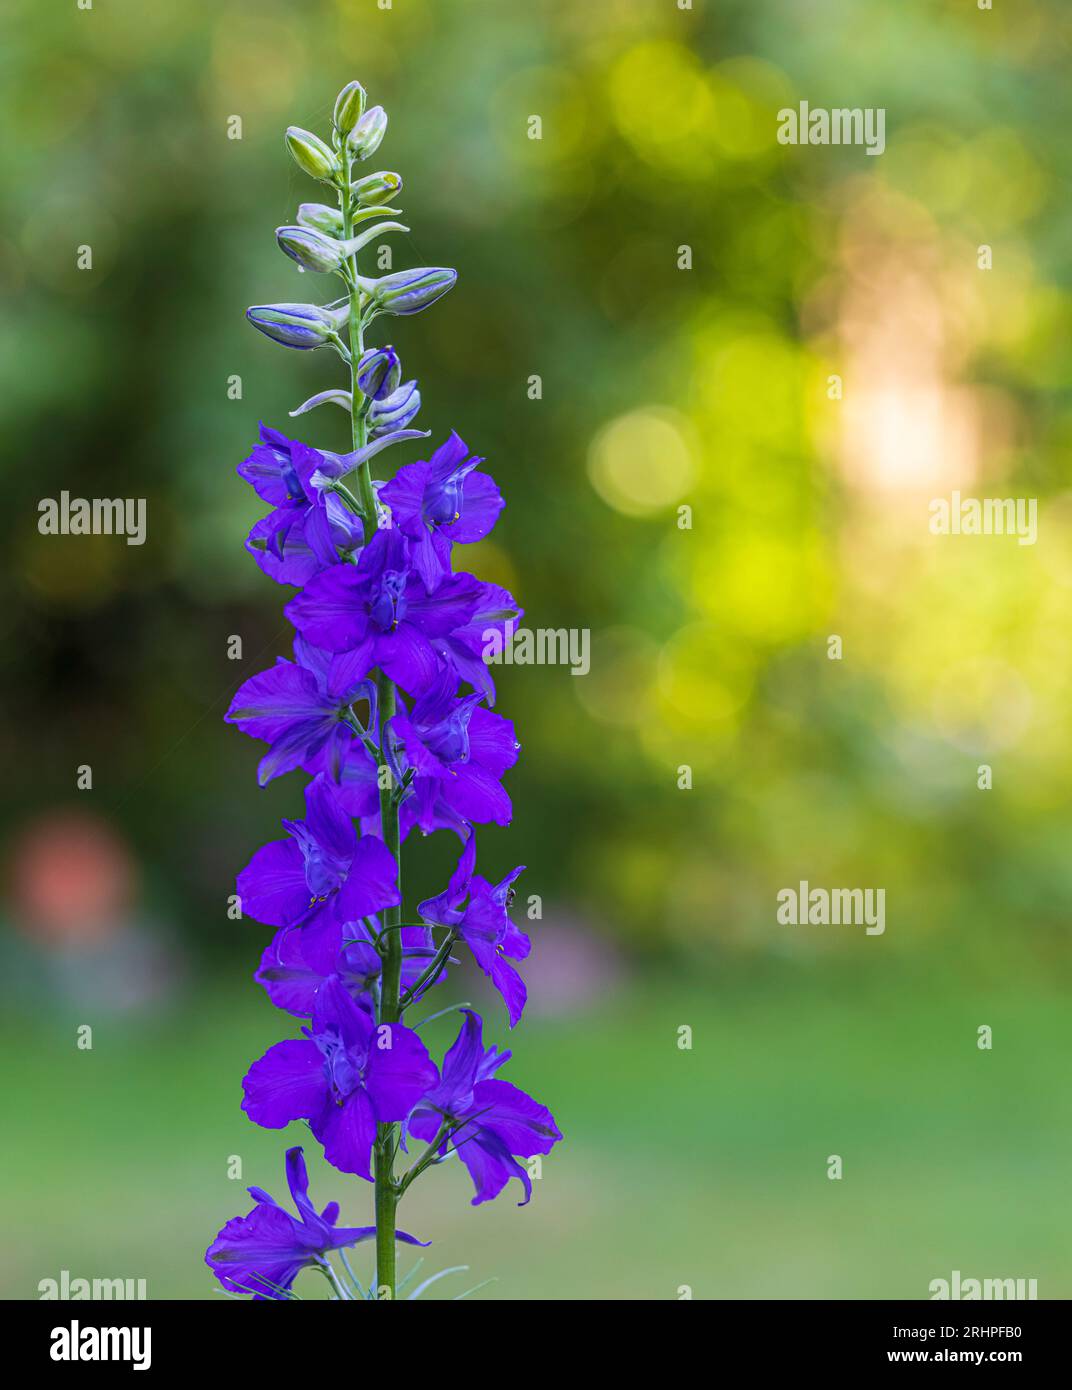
379	610
298	706
457	752
295	965
321	877
436	503
354	773
307	527
345	1076
464	649
263	1253
310	528
490	1121
476	911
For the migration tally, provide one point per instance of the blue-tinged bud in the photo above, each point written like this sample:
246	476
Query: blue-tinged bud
367	136
374	189
311	249
310	154
349	106
409	291
300	326
321	218
395	411
379	371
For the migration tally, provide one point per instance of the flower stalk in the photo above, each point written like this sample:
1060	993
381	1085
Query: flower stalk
382	618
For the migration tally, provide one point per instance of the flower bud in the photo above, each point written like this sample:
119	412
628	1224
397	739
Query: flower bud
377	188
395	411
320	217
379	371
367	135
300	326
311	249
409	291
310	153
349	106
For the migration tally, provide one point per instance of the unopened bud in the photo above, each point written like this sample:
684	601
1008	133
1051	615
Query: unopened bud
299	326
367	136
310	153
311	249
409	291
374	189
395	411
379	371
321	218
349	106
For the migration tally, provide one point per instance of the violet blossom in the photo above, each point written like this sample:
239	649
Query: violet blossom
384	705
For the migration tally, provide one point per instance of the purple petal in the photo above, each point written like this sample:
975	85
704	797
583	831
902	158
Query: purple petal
524	1125
446	459
353	771
491	1167
298	1182
372	884
330	826
481	504
451	606
492	741
268	703
404	492
477	796
260	1253
347	1133
462	1062
269	469
291	982
444	908
400	1071
277	543
329	612
337	1011
286	1084
272	886
407	657
501	974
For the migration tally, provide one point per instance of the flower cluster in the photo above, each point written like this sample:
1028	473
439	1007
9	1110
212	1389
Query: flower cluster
386	707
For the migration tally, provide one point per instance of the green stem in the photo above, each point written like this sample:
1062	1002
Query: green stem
387	1192
358	421
389	1012
428	1157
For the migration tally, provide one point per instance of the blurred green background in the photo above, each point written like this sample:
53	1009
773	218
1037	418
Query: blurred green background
662	386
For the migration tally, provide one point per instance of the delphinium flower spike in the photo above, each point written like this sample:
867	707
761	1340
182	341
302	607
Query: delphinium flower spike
385	708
